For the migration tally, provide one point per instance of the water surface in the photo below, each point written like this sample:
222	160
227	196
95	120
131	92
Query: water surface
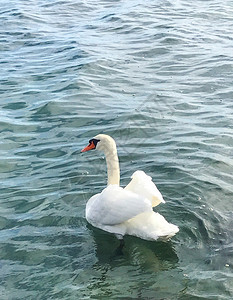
157	76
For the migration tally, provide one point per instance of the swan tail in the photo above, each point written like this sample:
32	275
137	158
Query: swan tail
151	226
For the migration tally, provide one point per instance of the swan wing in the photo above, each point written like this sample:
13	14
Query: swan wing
142	184
115	205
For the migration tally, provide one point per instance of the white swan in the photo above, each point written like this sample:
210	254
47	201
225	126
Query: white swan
127	211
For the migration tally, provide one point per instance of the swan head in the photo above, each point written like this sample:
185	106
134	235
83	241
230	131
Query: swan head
101	142
106	144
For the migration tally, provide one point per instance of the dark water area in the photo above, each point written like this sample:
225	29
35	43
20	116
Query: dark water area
155	75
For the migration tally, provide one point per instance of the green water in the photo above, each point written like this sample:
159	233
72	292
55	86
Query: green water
155	75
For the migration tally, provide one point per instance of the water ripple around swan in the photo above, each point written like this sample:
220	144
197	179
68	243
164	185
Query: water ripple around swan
157	76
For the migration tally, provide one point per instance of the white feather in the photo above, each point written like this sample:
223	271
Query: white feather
142	184
130	210
115	205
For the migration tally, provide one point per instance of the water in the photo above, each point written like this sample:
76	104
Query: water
157	76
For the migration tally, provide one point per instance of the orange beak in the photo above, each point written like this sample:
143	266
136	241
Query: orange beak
89	147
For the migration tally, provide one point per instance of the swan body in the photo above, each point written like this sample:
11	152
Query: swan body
127	211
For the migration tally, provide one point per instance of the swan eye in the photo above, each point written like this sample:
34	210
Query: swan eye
94	141
92	145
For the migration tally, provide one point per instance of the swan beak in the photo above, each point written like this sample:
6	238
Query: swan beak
89	147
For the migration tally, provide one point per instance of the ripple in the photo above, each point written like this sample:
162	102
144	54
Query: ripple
158	78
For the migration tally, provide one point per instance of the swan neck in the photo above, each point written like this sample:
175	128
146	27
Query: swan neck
113	167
